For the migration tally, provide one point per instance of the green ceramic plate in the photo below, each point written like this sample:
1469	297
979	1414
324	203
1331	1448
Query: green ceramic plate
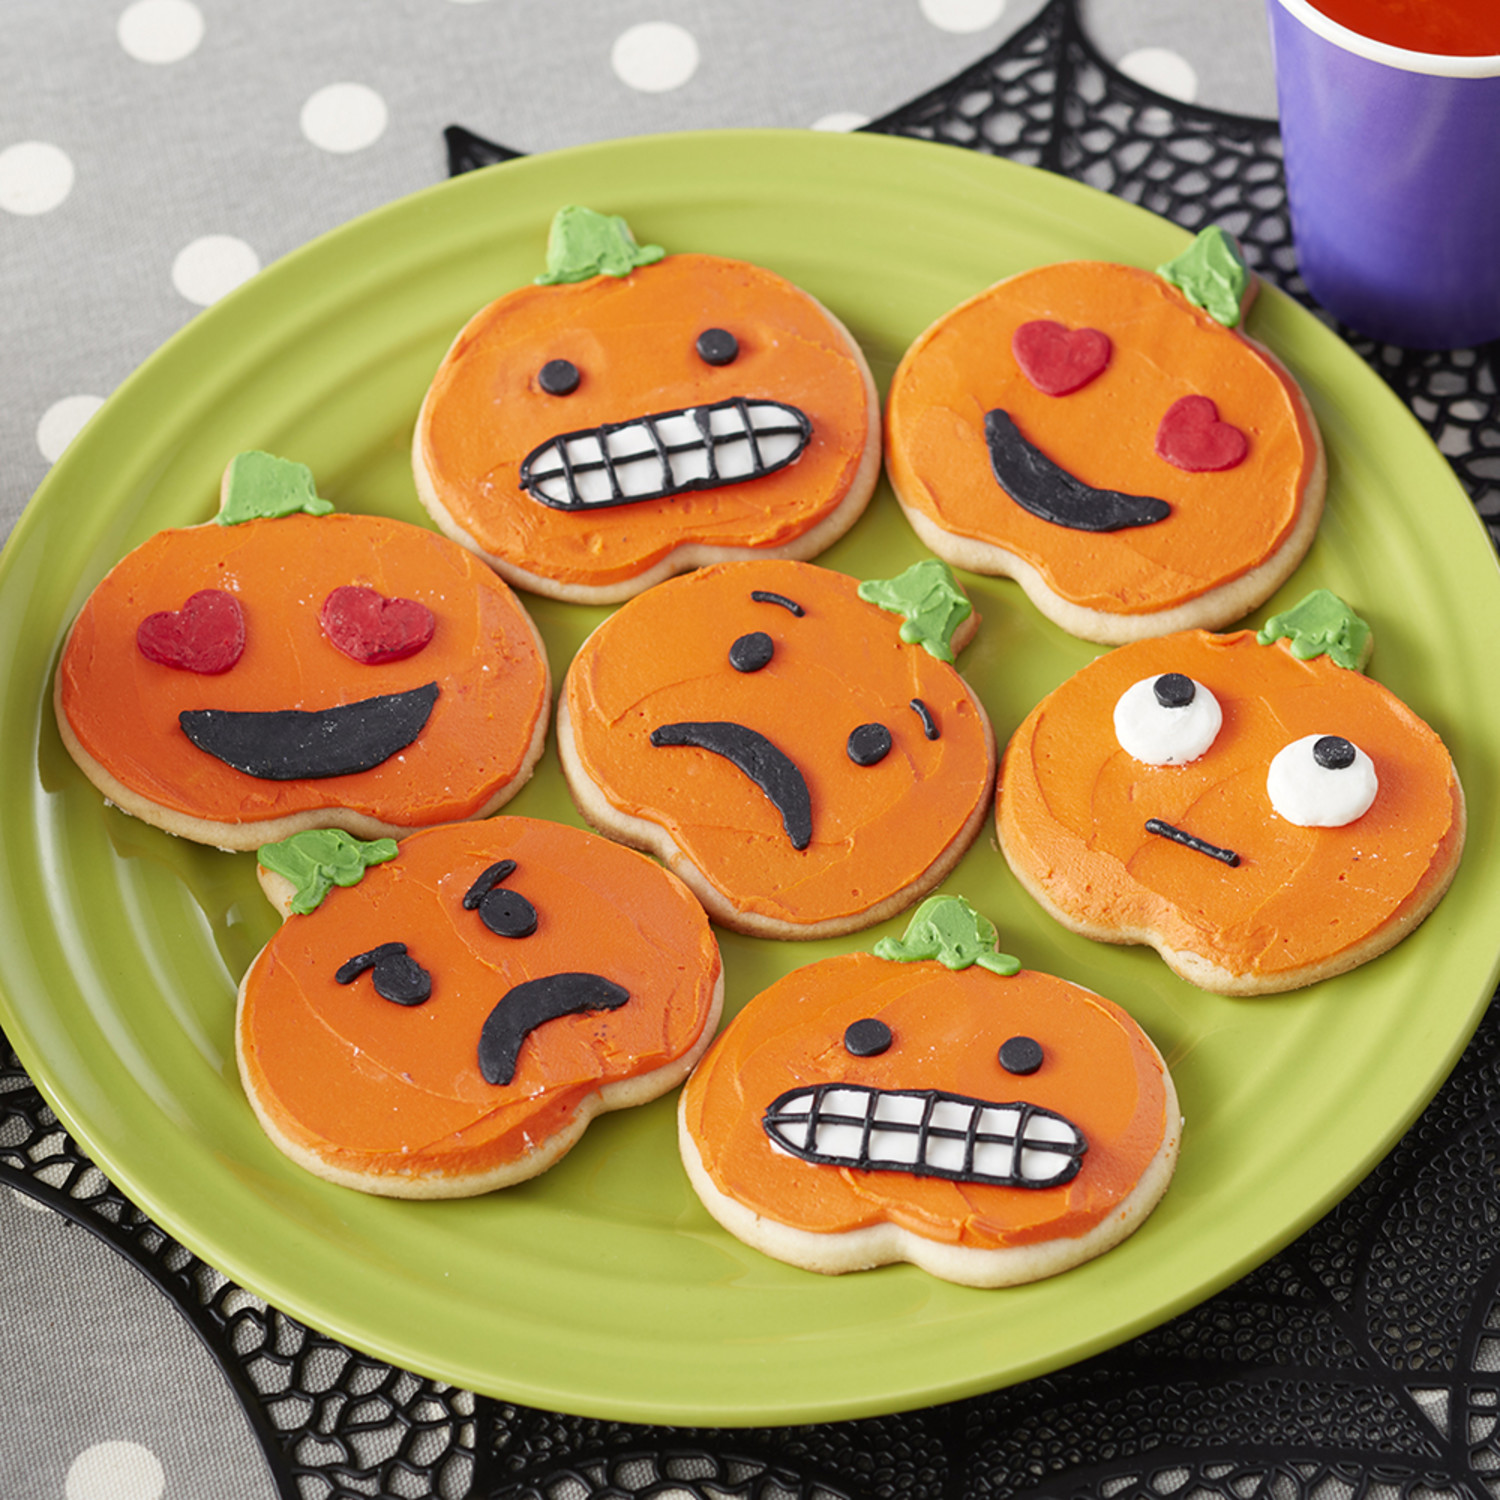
602	1287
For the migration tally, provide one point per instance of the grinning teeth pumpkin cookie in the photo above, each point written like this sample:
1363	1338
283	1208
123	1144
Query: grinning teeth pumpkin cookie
283	668
931	1102
446	1016
1251	806
1112	440
797	746
636	415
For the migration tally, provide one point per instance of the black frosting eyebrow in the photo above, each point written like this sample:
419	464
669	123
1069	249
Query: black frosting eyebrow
765	596
929	724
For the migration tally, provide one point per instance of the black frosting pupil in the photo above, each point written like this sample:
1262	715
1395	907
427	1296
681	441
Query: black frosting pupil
867	1038
717	346
394	973
1173	690
869	744
507	913
1333	752
1020	1054
558	377
751	652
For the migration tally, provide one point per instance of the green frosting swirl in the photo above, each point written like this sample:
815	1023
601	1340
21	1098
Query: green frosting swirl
318	859
261	487
930	601
582	243
948	929
1212	274
1322	624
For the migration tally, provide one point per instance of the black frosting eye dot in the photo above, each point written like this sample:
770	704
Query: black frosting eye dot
752	651
717	346
1173	690
869	744
1333	752
558	377
394	973
1020	1054
867	1038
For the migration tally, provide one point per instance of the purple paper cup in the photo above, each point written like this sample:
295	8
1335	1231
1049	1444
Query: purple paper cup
1393	180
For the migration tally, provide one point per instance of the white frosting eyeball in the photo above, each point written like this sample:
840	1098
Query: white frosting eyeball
1167	720
1324	790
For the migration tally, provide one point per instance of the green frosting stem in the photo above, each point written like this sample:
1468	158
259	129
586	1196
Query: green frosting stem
1212	274
1322	624
582	243
258	486
948	929
318	859
929	599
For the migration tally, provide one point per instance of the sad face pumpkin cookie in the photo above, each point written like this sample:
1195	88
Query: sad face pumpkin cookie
797	746
1250	805
283	667
1110	438
445	1017
636	415
931	1102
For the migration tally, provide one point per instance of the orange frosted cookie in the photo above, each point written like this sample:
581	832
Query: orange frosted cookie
639	415
1111	439
796	745
283	668
446	1016
931	1102
1253	807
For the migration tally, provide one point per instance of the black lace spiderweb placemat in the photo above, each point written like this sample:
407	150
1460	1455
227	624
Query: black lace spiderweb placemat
1362	1363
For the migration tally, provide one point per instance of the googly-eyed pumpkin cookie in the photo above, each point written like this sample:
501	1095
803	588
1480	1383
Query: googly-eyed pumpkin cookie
798	746
637	414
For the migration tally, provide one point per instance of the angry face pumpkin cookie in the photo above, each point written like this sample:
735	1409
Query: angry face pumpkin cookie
1110	438
797	746
447	1016
635	415
931	1102
283	667
1250	805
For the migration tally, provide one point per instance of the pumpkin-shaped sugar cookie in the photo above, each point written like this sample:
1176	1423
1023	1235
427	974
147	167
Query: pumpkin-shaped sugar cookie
283	667
931	1102
1251	806
1110	438
796	745
637	415
446	1016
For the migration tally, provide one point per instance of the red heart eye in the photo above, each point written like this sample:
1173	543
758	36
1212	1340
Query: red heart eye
207	635
367	626
1191	437
1058	360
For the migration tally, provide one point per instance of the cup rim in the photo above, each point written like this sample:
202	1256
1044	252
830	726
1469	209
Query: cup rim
1440	65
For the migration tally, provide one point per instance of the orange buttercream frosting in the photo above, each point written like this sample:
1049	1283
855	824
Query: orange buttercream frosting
1098	1071
632	340
663	659
1163	348
368	1086
1072	807
484	657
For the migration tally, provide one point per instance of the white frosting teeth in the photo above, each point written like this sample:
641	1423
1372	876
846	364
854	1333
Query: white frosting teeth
667	453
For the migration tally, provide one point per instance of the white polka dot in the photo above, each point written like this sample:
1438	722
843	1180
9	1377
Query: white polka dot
1159	68
61	422
206	269
654	57
344	117
34	177
962	15
160	31
116	1471
842	119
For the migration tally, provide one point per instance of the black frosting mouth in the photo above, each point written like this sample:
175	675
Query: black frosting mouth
666	453
771	769
533	1003
926	1133
293	744
1051	493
